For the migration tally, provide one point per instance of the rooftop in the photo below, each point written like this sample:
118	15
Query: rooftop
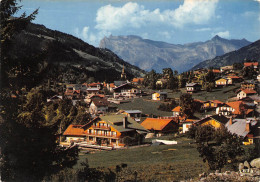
133	111
155	123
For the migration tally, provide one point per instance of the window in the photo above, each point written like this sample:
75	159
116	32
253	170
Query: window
113	140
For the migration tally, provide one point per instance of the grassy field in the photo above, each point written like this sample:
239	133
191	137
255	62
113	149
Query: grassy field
221	94
156	163
147	106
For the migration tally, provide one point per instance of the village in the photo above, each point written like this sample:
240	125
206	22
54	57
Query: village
112	127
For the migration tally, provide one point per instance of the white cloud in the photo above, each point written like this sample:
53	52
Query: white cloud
132	15
203	29
165	35
225	34
135	15
90	37
197	12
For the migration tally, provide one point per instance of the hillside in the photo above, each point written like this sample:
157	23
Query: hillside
64	58
250	52
148	54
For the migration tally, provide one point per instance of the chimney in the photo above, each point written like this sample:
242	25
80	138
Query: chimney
248	125
125	122
231	121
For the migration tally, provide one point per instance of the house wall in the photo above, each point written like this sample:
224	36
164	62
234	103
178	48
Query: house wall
156	96
186	127
212	122
225	110
103	130
241	95
127	93
221	82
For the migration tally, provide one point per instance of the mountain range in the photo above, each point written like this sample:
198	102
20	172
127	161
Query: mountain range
65	58
250	52
148	54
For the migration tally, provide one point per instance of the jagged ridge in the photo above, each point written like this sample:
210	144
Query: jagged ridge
148	54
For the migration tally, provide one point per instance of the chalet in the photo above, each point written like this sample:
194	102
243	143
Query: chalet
212	104
245	128
160	126
126	91
95	85
98	106
176	111
234	79
229	108
248	84
93	91
186	124
223	82
226	68
89	97
134	114
249	64
245	93
109	130
74	133
193	87
216	121
233	108
159	96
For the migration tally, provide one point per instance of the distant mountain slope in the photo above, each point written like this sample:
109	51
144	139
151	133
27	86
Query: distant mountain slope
68	58
148	54
250	52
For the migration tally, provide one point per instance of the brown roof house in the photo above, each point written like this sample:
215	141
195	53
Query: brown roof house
246	128
160	126
216	121
106	131
98	106
193	87
245	93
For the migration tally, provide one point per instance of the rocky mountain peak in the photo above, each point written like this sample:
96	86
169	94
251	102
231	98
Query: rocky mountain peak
148	54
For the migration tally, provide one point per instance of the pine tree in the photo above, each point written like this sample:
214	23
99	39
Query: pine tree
28	143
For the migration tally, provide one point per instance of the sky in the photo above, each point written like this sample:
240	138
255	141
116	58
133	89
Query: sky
172	21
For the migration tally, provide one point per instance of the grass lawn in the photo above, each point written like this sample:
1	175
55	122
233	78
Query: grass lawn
163	163
222	94
146	105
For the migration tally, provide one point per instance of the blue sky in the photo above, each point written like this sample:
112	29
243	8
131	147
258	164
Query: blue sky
172	21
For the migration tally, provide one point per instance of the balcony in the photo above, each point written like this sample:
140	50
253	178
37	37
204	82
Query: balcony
102	135
101	128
